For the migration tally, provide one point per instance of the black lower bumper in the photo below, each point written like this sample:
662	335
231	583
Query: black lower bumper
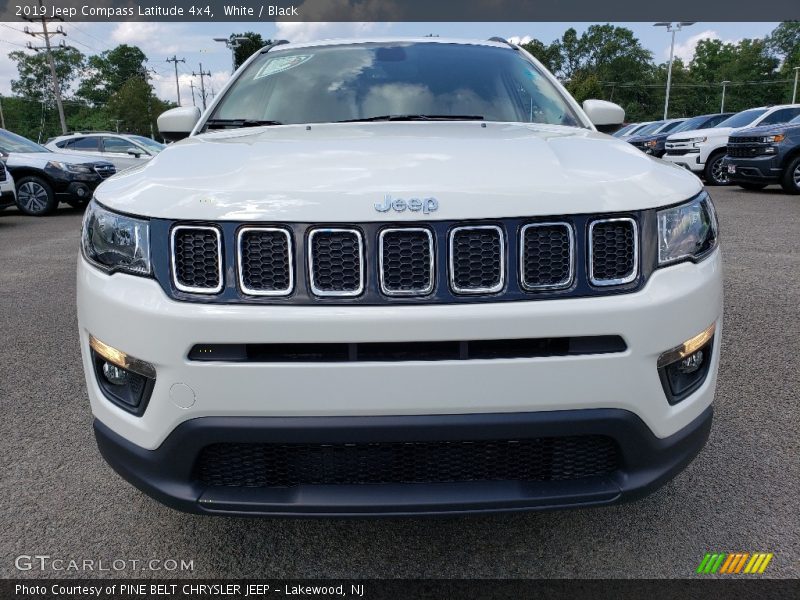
169	473
754	170
7	199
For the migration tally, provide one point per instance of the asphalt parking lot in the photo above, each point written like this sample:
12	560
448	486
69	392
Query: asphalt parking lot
58	497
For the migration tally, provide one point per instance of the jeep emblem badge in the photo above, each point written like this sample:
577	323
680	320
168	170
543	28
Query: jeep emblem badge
426	205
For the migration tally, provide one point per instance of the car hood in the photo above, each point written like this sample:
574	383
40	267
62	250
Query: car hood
710	132
338	172
767	129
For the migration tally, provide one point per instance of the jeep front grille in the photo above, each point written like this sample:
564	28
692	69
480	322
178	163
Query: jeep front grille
267	465
336	262
477	264
265	261
419	262
406	261
613	251
197	259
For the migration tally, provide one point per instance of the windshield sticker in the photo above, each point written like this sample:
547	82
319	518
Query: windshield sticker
281	64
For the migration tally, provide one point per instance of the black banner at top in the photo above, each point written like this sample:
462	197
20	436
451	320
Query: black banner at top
400	10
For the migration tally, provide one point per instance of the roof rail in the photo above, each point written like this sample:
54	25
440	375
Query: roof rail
501	40
266	49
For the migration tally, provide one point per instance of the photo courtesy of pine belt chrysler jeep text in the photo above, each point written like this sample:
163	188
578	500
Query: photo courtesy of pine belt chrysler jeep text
399	277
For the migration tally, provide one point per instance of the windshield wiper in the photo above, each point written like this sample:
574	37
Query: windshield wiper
237	123
415	118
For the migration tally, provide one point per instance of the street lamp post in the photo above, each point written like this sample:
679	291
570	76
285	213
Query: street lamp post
722	106
794	92
673	29
232	44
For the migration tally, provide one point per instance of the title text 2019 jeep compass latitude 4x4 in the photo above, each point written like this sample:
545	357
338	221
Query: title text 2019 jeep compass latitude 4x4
398	277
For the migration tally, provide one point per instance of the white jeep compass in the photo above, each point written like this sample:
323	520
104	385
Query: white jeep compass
397	277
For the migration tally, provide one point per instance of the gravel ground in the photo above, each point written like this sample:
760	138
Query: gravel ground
58	497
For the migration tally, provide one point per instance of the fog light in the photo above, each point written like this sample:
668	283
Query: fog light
683	369
124	380
114	374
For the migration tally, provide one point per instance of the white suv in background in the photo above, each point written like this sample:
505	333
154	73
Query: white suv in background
702	150
122	150
399	276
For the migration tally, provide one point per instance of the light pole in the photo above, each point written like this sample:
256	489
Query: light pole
794	92
233	44
722	106
672	28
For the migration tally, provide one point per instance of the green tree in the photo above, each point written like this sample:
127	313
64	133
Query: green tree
110	70
547	54
135	105
35	81
246	48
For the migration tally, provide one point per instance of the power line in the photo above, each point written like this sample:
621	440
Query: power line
176	60
202	75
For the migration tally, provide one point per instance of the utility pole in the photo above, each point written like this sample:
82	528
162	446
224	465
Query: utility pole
2	118
232	43
794	93
202	76
724	85
672	29
191	85
176	60
46	34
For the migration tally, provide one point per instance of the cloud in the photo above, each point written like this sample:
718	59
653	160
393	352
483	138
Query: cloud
685	50
519	39
309	31
160	38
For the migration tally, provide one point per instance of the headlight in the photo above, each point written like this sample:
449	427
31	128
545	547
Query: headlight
698	140
773	139
688	231
115	242
651	144
68	167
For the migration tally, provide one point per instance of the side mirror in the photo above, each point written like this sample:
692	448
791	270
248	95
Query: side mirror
606	116
135	152
177	123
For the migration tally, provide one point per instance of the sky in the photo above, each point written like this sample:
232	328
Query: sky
194	42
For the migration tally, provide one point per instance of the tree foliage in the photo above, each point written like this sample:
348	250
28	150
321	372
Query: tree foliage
109	71
35	81
246	48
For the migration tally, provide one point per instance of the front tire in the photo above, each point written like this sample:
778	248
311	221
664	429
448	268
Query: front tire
35	197
790	182
714	173
754	187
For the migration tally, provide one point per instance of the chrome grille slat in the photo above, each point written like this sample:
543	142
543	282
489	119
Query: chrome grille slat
336	262
546	256
196	259
265	261
406	261
613	251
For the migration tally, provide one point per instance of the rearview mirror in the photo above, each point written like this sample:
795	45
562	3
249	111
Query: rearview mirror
135	152
177	123
607	117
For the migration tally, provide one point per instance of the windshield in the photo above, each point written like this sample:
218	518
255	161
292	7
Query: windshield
743	118
325	84
11	142
625	130
690	124
648	129
670	127
151	145
795	121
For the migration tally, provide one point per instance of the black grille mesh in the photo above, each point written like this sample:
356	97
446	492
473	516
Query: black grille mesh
197	258
336	261
265	261
613	250
547	256
288	465
477	259
745	151
406	261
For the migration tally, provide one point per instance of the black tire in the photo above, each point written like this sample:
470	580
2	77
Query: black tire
752	186
35	197
77	203
714	174
790	182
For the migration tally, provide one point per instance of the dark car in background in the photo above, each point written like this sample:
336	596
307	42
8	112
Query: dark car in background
765	155
654	143
665	127
45	178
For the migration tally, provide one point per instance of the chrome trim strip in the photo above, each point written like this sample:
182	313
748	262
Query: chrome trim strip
634	272
187	288
417	292
310	249
489	290
551	286
240	269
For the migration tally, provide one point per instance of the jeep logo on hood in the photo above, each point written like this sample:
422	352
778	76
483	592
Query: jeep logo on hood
425	205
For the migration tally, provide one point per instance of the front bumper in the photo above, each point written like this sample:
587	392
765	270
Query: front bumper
687	161
169	473
762	169
7	197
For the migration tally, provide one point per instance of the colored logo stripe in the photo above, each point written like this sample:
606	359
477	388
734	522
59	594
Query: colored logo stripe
735	562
